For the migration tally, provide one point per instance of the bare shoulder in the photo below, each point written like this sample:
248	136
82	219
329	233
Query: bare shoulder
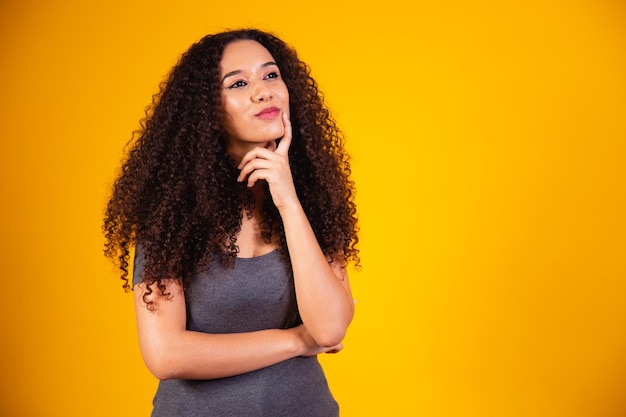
152	296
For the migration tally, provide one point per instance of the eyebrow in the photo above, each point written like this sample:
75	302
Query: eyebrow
230	74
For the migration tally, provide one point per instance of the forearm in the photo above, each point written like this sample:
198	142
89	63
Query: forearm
324	298
193	355
171	351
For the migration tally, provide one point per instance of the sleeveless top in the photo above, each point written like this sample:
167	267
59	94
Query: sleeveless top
257	294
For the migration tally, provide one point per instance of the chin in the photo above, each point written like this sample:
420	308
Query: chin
274	134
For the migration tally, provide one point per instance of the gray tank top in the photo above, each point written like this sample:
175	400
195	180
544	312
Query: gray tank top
257	294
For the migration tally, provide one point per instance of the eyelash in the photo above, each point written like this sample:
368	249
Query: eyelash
241	83
236	84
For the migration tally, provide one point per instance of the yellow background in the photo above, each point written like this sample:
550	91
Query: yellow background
489	150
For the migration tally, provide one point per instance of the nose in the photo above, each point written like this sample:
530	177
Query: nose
261	93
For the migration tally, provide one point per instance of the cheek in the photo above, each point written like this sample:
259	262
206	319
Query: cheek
229	113
285	98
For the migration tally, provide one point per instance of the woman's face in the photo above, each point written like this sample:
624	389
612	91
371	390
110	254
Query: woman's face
253	96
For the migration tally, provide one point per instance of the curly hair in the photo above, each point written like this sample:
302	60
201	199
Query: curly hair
177	194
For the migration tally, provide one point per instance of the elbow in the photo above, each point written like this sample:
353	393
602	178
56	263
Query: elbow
332	332
162	373
330	336
330	339
161	364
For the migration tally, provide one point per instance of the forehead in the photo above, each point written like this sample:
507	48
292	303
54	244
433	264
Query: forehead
243	55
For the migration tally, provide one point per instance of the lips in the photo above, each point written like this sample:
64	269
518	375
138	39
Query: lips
268	113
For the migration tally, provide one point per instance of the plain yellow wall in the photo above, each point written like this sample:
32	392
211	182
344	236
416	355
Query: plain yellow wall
489	150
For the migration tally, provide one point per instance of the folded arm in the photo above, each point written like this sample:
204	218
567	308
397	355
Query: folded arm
171	351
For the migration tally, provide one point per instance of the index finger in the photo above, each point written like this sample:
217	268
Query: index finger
285	142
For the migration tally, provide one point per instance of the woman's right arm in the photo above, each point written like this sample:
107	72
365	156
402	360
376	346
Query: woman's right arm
170	351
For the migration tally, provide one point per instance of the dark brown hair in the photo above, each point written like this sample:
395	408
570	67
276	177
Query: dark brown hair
177	192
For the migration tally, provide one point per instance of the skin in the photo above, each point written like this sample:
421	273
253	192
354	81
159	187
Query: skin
251	83
322	287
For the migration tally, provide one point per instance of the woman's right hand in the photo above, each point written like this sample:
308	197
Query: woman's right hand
308	346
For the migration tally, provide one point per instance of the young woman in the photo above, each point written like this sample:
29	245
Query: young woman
237	199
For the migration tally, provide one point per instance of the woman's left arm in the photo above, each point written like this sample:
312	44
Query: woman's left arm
322	287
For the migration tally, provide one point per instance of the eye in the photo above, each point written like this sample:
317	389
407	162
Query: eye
273	74
237	84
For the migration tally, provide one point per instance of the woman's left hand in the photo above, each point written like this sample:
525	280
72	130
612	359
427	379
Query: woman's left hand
272	165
